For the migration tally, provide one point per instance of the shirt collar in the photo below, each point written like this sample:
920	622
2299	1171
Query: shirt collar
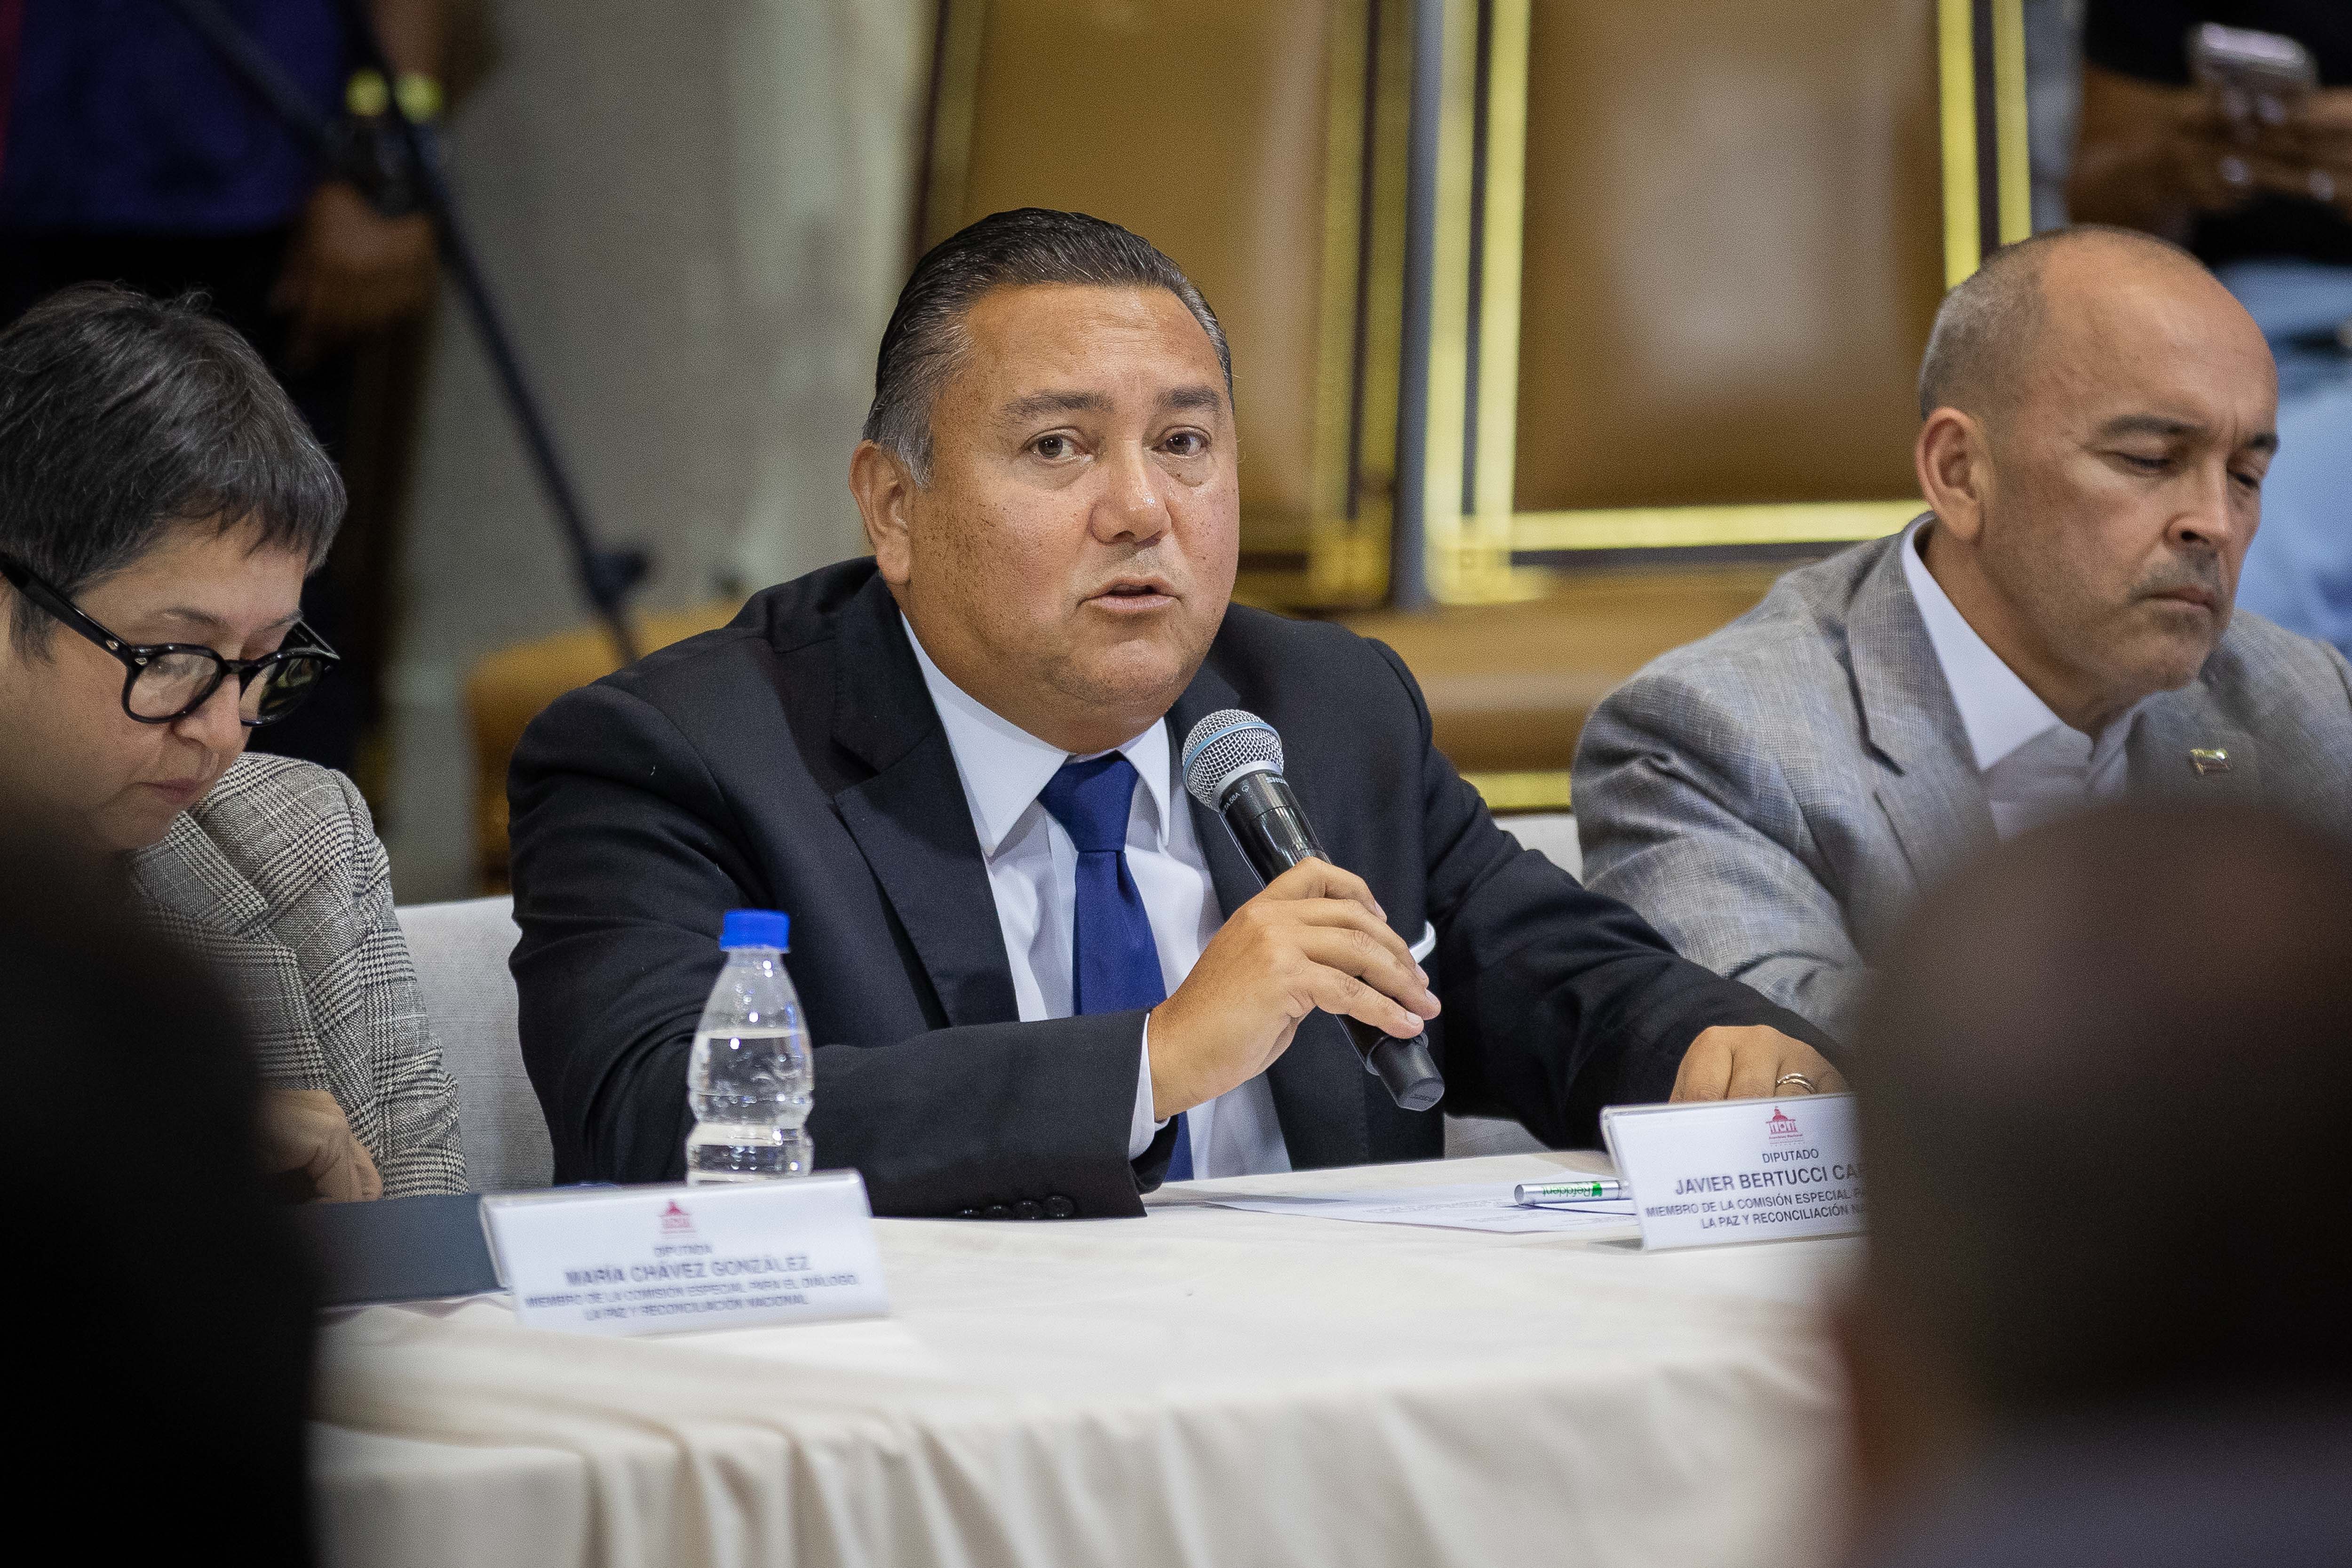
1003	766
1998	710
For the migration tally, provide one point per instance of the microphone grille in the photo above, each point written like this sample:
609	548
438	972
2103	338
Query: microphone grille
1225	745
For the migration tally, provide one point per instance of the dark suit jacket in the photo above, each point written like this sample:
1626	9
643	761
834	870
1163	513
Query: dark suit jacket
792	760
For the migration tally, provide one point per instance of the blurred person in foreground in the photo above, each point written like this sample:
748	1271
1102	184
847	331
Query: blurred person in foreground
2058	629
161	503
131	153
1039	977
2263	195
161	1378
2103	1319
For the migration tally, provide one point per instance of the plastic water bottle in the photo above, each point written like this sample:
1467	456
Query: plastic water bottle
749	1081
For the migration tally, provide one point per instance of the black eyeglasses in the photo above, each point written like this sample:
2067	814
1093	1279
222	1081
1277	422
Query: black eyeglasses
164	682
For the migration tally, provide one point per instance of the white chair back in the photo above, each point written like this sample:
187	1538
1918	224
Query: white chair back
460	950
1552	832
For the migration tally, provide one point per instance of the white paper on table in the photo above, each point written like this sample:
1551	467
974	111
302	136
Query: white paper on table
1470	1206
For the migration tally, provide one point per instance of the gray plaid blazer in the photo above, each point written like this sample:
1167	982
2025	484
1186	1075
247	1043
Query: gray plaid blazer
276	882
1773	797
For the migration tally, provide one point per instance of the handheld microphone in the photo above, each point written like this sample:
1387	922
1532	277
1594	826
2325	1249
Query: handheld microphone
1233	765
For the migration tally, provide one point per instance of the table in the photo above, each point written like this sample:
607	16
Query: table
1201	1386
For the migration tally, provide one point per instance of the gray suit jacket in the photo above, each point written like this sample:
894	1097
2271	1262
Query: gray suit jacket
277	883
1775	795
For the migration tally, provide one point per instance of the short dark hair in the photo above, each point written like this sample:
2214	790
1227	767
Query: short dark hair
1985	330
2102	1082
122	417
1007	250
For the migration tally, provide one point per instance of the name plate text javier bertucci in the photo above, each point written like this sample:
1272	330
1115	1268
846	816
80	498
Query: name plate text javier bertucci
645	1260
1740	1170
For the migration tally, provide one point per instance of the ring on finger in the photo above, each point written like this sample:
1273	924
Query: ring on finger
1788	1077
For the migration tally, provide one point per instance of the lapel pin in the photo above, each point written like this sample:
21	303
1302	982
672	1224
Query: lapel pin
2203	760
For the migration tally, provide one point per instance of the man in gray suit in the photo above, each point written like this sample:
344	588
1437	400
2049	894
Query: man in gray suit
2056	630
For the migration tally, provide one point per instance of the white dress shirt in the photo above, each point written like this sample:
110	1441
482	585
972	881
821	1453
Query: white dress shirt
2034	766
1033	872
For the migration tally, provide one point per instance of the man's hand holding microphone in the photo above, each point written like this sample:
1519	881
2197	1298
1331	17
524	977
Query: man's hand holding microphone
1315	938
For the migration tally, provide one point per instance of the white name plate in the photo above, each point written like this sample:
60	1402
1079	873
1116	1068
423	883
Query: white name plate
1739	1170
649	1261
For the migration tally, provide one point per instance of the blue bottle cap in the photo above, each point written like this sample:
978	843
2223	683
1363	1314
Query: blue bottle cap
756	928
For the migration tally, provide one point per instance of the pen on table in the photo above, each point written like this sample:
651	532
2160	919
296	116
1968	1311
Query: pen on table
1533	1194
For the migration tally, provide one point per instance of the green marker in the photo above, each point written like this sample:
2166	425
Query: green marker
1599	1189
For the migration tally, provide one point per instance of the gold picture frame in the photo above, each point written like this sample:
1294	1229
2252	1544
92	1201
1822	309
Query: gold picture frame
1479	555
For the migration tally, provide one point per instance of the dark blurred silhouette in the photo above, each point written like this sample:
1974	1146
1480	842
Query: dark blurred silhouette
2104	1318
162	1321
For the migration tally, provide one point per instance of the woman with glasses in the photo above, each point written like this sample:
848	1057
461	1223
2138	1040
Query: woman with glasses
161	504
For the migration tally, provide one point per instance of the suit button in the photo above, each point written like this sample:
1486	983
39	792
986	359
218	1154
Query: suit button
1059	1207
1028	1208
967	1214
996	1211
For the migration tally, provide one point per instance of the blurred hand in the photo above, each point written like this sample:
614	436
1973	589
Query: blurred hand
1314	937
2207	159
2311	155
2152	157
1746	1063
351	270
304	1130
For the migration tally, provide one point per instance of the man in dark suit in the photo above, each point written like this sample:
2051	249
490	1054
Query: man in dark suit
1041	978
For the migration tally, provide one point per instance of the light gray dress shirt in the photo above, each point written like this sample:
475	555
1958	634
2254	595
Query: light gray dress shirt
1033	872
2035	765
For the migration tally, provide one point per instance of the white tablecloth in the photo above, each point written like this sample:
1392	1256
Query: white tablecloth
1202	1386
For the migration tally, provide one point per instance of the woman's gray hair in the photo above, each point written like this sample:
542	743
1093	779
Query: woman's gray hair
123	417
925	339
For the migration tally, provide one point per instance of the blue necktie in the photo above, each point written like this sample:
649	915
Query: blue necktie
1114	963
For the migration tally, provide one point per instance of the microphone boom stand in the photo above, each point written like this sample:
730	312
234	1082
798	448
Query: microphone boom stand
401	173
